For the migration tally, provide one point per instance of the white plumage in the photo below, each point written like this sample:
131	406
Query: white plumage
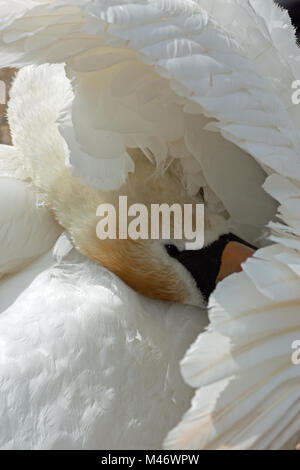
27	230
206	83
86	363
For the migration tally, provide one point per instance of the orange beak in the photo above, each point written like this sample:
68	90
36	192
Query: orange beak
233	256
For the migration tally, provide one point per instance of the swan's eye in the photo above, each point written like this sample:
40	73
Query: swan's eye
172	250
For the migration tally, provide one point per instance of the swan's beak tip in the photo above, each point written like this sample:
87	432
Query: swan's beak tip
234	254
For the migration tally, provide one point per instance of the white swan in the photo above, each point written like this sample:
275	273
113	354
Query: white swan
145	73
62	288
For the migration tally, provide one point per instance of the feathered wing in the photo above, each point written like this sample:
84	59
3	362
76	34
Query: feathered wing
246	366
155	67
247	383
144	74
27	229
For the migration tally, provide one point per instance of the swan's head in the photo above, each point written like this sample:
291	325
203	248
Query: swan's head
164	269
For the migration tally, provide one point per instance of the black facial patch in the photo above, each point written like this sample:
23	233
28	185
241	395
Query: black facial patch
204	265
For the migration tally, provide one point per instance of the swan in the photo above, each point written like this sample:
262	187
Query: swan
181	87
179	273
45	287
